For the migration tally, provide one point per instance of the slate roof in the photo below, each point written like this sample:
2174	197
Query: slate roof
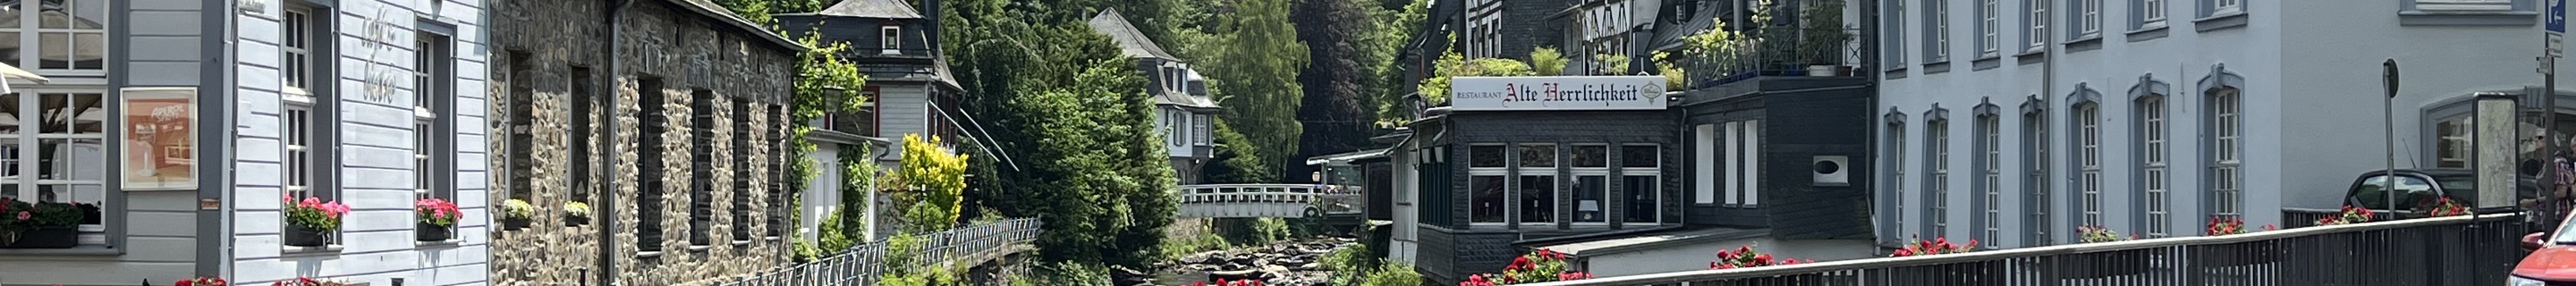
1704	18
883	9
1191	98
720	14
1130	41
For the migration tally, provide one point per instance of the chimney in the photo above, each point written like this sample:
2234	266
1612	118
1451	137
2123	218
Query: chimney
930	8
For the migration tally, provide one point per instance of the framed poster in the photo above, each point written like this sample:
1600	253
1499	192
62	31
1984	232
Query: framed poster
160	138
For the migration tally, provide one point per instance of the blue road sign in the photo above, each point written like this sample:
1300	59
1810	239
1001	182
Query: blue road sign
2557	20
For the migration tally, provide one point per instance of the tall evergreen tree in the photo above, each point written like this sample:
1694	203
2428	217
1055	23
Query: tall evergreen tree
1335	116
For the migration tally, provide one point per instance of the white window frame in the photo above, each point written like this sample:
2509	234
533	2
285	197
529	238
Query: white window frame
2088	123
1704	164
25	153
2453	148
2037	184
1608	182
1655	189
1988	22
1200	124
2227	173
1751	166
308	115
890	39
425	116
31	37
2036	33
296	43
2151	13
2152	175
1938	183
1555	188
1504	171
1937	34
2092	18
2227	6
1896	143
2467	5
1734	164
1896	22
1991	164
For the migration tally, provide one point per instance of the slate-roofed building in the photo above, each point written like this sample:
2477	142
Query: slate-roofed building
909	91
666	117
1181	101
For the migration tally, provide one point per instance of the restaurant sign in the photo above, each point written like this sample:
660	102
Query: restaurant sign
160	139
1522	93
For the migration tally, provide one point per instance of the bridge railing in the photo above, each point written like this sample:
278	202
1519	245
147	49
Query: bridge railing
1253	193
2460	250
864	264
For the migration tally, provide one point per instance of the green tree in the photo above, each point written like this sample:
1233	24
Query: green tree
1436	88
1546	61
931	181
1260	56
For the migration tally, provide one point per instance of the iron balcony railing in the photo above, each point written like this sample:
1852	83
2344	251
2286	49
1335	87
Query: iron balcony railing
1770	52
864	264
2459	250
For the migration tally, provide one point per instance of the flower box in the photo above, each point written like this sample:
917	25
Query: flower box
516	223
430	232
47	237
297	235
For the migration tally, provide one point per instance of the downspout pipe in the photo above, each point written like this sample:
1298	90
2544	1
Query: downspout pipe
608	227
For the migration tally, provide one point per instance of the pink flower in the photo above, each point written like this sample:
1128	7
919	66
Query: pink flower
23	215
312	201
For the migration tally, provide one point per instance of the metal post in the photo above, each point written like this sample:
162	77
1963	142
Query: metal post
2388	109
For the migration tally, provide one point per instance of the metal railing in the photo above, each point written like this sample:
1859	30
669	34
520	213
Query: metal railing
1771	52
2460	250
864	264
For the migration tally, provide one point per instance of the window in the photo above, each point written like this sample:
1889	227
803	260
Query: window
310	163
69	37
778	208
1937	186
1201	124
2453	145
2226	167
1993	172
521	108
1986	26
2151	172
651	185
1640	168
890	39
1591	170
702	155
2036	34
742	189
2088	139
65	159
1704	164
2151	13
2226	6
1896	170
585	101
1734	164
1486	169
1178	122
1538	164
1936	31
433	151
2036	184
1896	22
1745	169
2087	18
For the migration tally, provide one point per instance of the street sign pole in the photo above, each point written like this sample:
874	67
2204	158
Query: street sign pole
2556	24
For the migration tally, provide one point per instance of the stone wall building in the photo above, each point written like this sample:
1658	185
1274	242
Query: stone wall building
669	127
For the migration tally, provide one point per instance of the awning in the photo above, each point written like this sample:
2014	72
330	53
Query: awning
1346	157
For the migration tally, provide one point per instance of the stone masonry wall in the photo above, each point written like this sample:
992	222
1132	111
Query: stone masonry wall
686	52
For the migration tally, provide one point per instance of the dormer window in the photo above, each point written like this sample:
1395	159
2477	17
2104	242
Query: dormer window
890	39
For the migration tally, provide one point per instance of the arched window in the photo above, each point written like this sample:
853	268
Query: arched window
2151	148
2225	126
2086	136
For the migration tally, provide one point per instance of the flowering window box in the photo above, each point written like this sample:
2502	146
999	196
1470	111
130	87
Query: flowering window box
47	237
430	232
297	235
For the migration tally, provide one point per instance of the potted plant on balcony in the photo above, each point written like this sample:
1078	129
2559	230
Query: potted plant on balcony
39	225
312	221
516	213
576	214
437	219
1822	37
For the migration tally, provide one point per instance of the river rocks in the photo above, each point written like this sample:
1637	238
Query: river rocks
1284	263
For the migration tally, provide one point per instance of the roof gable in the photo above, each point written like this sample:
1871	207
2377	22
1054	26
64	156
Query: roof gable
1130	41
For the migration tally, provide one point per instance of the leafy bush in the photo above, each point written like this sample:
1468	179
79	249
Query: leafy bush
1392	273
1175	249
1070	273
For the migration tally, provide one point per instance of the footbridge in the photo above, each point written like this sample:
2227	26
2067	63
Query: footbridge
1267	200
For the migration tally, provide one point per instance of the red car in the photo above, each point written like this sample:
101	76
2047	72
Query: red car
2552	260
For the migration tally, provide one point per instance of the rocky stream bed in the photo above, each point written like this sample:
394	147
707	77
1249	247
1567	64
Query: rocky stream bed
1284	263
